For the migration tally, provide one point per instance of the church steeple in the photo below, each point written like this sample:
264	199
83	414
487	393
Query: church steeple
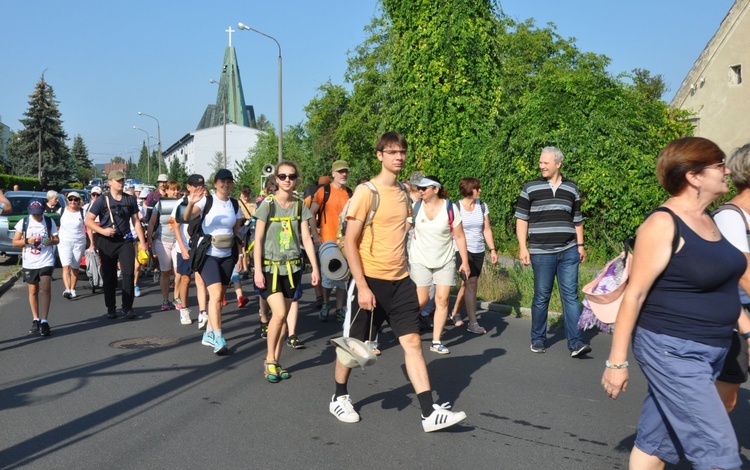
229	95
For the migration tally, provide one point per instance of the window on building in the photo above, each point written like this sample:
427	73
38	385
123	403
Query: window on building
735	74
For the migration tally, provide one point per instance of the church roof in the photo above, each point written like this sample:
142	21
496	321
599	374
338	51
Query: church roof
229	96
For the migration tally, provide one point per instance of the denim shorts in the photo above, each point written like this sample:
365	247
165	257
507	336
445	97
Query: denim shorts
683	415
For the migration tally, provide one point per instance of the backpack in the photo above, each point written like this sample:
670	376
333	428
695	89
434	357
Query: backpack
271	200
326	197
370	214
603	295
195	226
448	207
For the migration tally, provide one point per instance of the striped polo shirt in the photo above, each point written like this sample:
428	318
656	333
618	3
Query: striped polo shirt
552	215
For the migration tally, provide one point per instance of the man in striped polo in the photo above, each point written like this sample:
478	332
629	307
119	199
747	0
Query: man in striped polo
548	217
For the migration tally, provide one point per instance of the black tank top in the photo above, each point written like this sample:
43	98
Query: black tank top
696	296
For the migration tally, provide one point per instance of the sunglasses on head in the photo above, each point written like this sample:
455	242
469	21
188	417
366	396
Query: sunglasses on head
284	176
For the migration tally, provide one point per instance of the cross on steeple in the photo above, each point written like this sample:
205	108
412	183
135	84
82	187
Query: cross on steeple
230	31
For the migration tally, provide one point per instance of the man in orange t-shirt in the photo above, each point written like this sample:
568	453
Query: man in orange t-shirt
328	202
381	288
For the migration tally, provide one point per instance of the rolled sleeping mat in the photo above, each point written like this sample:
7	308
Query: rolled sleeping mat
332	262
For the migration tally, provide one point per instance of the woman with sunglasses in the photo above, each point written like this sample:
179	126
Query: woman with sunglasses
72	235
281	228
432	260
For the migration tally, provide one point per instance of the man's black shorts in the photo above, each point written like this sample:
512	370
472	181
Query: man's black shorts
395	302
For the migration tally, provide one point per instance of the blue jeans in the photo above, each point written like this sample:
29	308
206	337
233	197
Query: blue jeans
564	265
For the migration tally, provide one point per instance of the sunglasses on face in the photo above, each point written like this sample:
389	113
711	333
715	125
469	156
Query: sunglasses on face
73	199
425	188
284	176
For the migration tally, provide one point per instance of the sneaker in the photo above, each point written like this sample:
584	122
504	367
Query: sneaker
294	342
323	316
242	301
137	291
343	409
318	301
73	294
208	339
177	303
130	314
581	350
166	305
220	346
44	329
442	418
538	347
34	327
439	348
224	301
263	330
340	315
475	327
185	317
119	274
202	320
112	315
66	294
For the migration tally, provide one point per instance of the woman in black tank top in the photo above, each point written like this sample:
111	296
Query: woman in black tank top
680	309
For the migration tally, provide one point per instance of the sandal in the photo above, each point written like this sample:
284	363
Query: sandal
294	342
263	330
283	373
457	320
271	371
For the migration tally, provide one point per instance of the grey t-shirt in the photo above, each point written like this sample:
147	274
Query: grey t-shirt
282	241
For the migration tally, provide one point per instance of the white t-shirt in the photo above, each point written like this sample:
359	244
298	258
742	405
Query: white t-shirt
220	220
432	245
37	256
473	227
71	227
732	227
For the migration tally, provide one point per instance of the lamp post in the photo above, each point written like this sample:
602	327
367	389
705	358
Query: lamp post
224	112
148	153
158	136
281	125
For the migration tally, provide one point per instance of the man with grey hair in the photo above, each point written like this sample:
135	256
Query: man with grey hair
548	216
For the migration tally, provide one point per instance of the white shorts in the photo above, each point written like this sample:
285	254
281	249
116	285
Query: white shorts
163	251
71	251
424	277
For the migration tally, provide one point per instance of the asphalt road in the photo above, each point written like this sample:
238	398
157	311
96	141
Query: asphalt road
73	400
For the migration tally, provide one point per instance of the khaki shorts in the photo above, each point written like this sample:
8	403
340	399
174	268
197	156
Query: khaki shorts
425	277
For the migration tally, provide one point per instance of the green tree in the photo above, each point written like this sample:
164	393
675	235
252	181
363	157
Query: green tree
131	169
262	123
41	143
142	170
80	154
652	88
178	172
119	159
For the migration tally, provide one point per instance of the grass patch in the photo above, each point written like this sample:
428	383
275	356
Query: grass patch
513	285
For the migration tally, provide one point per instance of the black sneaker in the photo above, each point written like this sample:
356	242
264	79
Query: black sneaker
580	351
112	315
130	314
44	330
34	327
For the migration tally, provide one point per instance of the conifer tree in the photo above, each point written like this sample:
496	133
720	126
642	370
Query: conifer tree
41	147
177	171
80	154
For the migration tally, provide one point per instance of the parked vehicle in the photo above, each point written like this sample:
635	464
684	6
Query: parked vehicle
19	201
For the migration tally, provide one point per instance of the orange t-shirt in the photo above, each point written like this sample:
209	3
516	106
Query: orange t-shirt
383	244
329	222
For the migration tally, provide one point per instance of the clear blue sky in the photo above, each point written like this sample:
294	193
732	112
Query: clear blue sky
109	60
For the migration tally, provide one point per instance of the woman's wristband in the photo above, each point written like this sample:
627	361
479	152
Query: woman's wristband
580	244
609	365
492	249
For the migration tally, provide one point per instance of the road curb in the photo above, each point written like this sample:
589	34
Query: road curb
10	281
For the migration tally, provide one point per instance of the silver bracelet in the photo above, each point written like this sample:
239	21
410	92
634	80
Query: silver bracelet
609	365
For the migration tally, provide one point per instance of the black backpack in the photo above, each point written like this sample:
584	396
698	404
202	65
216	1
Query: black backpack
326	196
199	242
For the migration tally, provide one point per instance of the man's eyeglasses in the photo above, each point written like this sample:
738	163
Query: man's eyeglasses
284	176
394	152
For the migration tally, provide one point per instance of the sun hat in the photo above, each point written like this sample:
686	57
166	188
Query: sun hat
426	181
353	353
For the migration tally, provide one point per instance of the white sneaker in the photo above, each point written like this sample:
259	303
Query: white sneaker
185	317
202	320
442	418
73	294
343	409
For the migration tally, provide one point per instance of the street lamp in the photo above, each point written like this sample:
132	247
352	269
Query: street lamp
248	28
224	112
148	152
158	135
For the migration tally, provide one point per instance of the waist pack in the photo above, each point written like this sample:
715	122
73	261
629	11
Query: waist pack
222	241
